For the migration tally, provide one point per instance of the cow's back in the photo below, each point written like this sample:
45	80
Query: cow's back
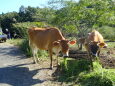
44	37
95	36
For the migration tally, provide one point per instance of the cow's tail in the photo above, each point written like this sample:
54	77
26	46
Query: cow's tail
29	40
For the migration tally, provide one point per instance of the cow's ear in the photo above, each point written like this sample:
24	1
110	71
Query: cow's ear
72	42
101	45
55	43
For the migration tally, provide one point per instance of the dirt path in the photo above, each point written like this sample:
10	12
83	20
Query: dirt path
17	70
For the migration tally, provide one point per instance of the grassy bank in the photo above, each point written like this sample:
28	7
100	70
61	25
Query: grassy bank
78	73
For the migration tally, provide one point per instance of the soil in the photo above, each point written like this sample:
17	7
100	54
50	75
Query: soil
107	56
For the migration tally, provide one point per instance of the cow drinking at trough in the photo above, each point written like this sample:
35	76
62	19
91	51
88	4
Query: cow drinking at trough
50	39
94	43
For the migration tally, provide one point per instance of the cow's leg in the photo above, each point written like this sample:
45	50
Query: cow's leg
78	45
50	55
91	60
98	53
80	48
33	55
57	59
36	55
34	52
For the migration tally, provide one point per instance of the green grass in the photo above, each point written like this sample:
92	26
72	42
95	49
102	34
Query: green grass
98	77
77	72
71	69
111	44
16	42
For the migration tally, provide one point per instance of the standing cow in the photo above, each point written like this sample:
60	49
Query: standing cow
50	39
93	44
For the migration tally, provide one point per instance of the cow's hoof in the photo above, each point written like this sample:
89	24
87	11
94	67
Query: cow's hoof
51	67
33	63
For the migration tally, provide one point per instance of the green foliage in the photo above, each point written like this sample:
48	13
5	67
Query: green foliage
111	44
42	54
44	14
7	19
83	15
95	79
21	28
16	42
72	69
24	46
73	17
33	14
78	71
108	32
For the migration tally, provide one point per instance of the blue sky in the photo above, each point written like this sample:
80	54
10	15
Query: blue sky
14	5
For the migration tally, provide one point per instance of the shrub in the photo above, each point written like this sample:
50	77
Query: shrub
77	71
95	79
71	68
21	28
108	32
24	46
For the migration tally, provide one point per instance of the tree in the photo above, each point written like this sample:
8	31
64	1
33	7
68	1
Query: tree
85	15
7	19
44	14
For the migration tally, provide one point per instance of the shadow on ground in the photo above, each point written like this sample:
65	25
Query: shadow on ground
18	76
11	51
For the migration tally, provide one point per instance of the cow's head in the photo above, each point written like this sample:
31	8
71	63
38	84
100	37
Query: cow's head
64	46
95	47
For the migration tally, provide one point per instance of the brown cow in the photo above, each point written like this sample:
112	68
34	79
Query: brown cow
50	39
94	43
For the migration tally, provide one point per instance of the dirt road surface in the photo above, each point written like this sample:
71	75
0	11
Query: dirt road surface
17	70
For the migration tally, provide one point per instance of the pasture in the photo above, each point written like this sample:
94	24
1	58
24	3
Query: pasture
75	70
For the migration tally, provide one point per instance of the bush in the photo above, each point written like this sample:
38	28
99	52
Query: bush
70	69
95	79
108	32
78	71
21	28
24	46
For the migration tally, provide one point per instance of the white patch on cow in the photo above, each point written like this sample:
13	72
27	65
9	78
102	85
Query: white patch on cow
106	45
66	55
56	50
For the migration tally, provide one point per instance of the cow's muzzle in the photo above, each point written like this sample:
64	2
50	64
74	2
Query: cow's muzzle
66	54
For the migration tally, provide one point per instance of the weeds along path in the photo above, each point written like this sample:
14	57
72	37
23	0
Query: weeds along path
17	70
